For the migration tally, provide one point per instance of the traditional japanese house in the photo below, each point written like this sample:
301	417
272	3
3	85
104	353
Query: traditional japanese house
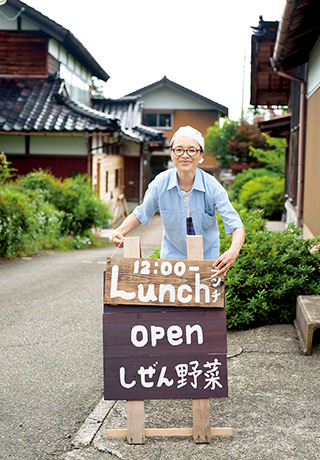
292	79
167	106
46	118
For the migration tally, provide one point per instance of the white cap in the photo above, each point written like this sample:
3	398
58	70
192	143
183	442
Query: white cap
188	131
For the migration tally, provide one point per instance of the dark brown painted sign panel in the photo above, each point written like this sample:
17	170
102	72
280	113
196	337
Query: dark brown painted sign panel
161	282
166	377
164	354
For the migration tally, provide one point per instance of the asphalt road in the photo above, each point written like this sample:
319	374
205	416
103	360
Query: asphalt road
51	350
51	346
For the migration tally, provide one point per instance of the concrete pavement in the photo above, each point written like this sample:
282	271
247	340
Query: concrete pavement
273	405
273	409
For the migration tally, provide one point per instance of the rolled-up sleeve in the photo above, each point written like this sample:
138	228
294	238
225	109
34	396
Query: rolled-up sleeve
228	214
149	206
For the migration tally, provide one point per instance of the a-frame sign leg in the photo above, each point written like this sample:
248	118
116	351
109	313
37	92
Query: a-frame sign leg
200	407
135	409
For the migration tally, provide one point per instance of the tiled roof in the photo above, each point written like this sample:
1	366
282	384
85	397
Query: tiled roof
128	110
35	104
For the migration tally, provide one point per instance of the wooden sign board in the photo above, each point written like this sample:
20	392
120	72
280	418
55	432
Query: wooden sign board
161	282
164	354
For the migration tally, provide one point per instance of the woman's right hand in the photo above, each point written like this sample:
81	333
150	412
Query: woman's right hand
118	239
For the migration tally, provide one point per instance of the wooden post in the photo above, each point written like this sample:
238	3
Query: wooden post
135	409
200	407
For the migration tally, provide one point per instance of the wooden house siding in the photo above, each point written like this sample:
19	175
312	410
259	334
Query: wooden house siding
53	65
132	178
23	53
311	214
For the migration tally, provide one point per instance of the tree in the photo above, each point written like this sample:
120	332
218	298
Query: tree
273	158
231	143
217	138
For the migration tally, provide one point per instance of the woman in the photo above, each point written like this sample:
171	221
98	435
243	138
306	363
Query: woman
187	197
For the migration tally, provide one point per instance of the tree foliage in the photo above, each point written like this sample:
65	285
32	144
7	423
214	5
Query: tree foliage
217	139
231	142
6	171
274	157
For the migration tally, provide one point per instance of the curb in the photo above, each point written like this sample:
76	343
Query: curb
92	424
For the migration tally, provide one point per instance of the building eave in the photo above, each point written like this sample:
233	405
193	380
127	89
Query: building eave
61	35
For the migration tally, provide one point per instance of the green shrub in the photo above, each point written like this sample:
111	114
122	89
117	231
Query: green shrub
40	212
266	193
14	222
6	172
245	176
82	209
27	223
272	269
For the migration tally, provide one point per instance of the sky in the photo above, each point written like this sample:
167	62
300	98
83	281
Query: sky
203	45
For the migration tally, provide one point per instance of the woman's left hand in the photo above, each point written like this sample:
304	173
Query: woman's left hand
225	261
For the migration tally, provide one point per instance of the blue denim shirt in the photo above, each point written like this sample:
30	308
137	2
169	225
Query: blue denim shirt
207	194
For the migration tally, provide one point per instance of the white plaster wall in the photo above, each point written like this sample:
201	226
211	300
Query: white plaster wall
46	145
53	48
6	24
130	148
313	79
167	98
27	25
12	144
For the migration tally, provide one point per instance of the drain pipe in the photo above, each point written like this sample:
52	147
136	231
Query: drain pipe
284	26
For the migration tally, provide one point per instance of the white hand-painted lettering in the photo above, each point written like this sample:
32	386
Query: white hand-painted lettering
182	372
188	298
174	335
157	333
149	372
190	330
163	288
149	296
191	373
215	295
163	380
212	374
199	287
122	379
114	292
139	343
195	373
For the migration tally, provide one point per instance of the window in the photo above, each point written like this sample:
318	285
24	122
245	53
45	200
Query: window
158	120
107	182
118	178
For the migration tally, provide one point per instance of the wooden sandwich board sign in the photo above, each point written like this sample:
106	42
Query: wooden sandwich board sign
179	283
167	352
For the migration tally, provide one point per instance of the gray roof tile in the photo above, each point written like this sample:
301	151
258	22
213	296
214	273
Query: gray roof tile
35	104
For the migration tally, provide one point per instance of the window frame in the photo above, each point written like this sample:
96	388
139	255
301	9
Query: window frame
158	115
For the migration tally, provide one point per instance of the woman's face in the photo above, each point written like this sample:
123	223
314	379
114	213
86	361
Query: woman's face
186	163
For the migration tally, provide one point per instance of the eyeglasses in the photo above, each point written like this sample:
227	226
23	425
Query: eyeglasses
191	151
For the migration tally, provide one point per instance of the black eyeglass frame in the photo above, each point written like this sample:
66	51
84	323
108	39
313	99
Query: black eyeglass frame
186	150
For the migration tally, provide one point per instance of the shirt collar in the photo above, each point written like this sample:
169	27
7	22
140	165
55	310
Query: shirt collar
197	183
